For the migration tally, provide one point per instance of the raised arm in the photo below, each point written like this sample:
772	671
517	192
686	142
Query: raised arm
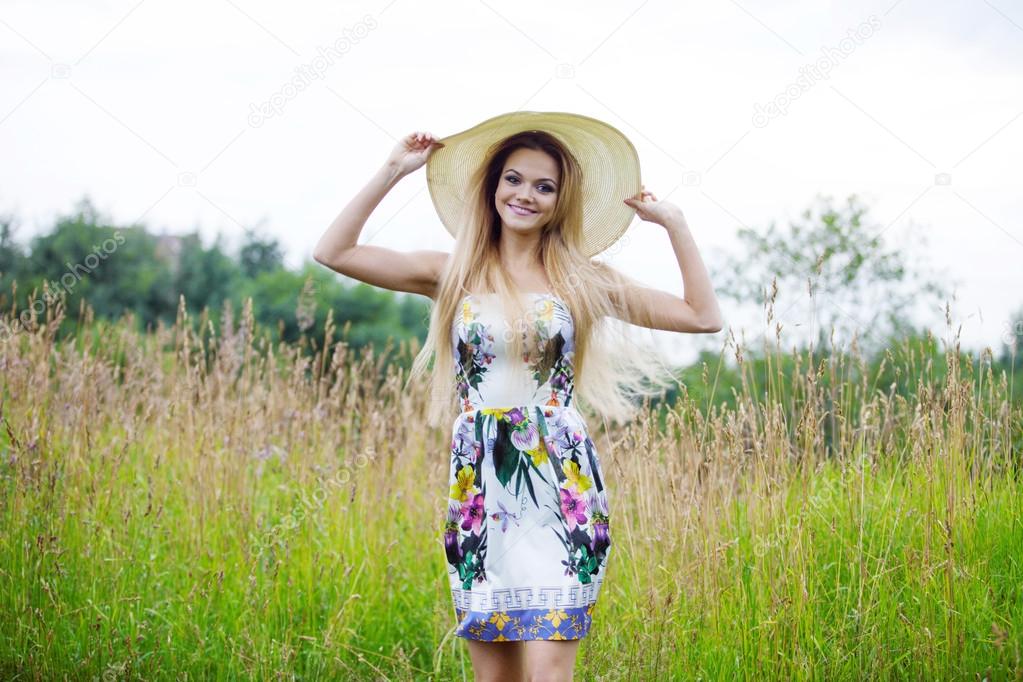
696	311
416	272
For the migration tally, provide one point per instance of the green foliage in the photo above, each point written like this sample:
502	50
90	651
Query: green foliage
838	255
260	254
114	270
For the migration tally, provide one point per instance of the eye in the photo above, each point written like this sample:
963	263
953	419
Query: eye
514	180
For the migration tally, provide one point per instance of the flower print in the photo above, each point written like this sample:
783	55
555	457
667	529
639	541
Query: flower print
500	619
545	310
464	484
473	513
525	437
580	481
551	446
574	508
494	412
599	524
503	516
539	455
451	545
515	416
601	537
464	443
467	315
556	616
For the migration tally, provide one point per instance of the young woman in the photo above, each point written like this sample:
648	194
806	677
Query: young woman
515	336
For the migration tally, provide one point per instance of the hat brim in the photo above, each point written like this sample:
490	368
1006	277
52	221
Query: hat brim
609	163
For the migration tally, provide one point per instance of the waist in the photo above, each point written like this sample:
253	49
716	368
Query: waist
474	408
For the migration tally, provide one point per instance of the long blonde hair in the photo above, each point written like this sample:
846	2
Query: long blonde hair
610	370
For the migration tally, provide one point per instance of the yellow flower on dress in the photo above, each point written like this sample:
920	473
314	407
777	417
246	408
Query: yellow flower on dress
500	619
496	411
466	312
539	454
555	616
464	484
546	310
558	635
581	481
500	638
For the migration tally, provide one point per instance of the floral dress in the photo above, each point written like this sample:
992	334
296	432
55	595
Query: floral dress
526	534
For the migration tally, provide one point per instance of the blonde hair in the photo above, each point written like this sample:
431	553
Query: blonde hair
610	370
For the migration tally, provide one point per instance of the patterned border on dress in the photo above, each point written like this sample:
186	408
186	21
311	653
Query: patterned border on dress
525	624
528	597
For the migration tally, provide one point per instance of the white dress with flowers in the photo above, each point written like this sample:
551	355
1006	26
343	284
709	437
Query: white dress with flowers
526	533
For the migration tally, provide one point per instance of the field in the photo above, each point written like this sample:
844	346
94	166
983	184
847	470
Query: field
196	502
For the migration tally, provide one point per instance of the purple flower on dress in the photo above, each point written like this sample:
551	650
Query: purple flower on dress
601	539
473	513
526	438
464	441
515	416
451	547
573	507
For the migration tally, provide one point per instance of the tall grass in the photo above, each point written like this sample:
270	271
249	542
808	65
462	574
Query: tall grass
197	501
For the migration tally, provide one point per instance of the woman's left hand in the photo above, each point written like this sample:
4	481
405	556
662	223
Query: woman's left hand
650	209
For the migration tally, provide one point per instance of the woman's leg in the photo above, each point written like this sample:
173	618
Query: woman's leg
497	661
550	660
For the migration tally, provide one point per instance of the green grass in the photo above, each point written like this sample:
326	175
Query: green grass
248	516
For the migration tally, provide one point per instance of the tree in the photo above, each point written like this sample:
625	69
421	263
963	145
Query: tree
260	254
205	276
113	269
838	268
12	257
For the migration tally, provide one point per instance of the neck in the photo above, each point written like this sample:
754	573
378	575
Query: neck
520	252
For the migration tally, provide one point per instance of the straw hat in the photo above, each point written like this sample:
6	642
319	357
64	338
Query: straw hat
609	162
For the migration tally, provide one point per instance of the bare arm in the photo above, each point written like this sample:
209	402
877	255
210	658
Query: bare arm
697	309
416	272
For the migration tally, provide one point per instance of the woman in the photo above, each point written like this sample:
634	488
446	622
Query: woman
514	335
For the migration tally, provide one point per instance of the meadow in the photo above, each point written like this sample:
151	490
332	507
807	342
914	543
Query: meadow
199	502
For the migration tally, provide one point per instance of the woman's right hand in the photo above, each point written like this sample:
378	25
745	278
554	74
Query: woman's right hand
412	151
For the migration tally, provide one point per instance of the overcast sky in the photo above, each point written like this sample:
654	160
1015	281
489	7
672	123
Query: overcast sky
183	115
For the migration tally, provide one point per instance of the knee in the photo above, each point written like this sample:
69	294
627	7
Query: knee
548	676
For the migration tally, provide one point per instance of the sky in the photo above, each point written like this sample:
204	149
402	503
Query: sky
229	114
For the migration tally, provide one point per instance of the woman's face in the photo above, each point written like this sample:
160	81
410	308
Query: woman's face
527	190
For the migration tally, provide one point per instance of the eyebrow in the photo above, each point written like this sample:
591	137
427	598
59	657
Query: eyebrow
512	170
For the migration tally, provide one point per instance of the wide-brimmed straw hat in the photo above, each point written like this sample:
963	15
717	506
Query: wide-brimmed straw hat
609	163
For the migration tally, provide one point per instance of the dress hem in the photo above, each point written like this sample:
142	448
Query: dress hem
546	624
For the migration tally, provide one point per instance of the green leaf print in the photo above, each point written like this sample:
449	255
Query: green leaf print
506	455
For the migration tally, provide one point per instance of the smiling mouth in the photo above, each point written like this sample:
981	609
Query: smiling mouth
518	210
